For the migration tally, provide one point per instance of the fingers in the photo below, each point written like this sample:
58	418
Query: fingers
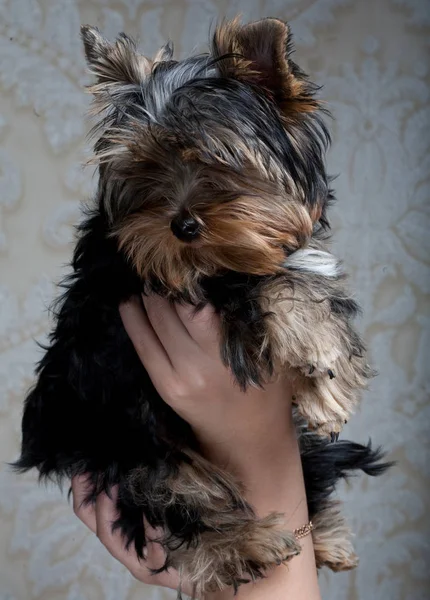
106	515
114	542
173	344
100	519
203	326
145	341
83	510
155	556
169	335
170	330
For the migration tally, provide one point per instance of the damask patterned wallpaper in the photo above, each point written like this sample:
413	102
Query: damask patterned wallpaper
371	57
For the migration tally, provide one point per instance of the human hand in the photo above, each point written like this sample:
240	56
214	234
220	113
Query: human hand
180	349
250	433
99	517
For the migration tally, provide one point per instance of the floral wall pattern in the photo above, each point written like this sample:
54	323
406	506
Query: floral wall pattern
371	57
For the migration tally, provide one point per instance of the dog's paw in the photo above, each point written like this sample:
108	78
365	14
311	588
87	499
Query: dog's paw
330	430
264	544
242	552
319	362
315	370
323	404
332	539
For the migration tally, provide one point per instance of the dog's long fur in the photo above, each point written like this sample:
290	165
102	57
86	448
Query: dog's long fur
233	141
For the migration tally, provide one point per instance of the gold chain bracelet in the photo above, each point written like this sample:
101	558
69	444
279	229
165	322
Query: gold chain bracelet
304	530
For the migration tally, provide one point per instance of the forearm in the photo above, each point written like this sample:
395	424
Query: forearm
249	434
279	488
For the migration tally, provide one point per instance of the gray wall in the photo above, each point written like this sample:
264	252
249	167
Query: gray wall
370	56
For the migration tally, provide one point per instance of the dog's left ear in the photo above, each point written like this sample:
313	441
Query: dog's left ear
114	63
259	53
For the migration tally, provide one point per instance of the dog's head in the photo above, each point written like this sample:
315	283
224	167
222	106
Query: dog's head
211	163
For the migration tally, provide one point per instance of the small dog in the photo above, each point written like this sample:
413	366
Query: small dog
212	189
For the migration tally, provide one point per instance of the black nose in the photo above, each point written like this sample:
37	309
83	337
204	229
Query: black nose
185	228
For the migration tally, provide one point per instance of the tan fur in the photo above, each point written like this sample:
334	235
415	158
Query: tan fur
245	232
163	54
133	147
308	338
236	545
332	539
114	66
260	52
236	548
249	222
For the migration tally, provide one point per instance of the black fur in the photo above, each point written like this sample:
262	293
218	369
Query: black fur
94	409
325	464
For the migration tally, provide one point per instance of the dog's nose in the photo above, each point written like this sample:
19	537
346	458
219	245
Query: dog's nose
186	228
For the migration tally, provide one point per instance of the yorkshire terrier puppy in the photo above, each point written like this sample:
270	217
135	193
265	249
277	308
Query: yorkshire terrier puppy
212	189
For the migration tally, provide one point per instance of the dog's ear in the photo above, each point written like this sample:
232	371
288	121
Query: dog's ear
114	63
259	53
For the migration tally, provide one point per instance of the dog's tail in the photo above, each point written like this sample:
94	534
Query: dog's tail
325	464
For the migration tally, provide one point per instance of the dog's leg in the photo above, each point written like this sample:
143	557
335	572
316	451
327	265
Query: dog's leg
213	537
244	340
244	347
300	322
311	336
332	539
324	466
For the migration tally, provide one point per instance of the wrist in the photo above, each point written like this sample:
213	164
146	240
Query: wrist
252	442
275	483
270	472
249	452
